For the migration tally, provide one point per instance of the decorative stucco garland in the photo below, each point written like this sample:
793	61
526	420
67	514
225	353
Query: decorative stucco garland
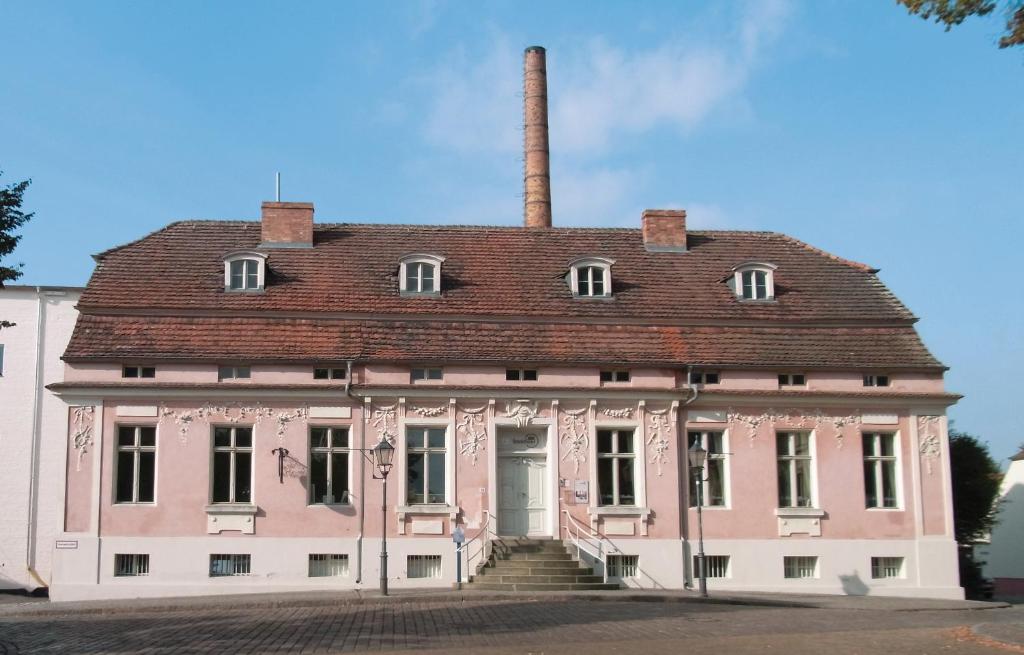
930	445
798	419
235	412
431	412
658	439
625	412
574	437
82	418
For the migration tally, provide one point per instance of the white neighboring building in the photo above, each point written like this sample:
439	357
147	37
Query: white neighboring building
34	422
1004	555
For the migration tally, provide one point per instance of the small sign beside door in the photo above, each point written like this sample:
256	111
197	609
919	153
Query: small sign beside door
66	544
581	492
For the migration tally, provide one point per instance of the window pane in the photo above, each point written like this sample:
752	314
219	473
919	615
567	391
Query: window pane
147	372
339	476
222	477
691	438
125	436
130	372
626	496
694	492
711	378
604	480
419	374
318	477
625	441
803	483
802	444
785	495
320	373
761	282
411	273
512	374
604	441
606	376
871	496
598	283
147	436
243	437
436	478
222	437
318	438
799	380
583	285
869	445
243	477
225	372
339	437
748	284
125	476
715	443
237	275
251	274
886	441
415	437
428	278
882	380
415	479
435	438
434	373
716	482
147	476
530	375
242	372
782	444
889	483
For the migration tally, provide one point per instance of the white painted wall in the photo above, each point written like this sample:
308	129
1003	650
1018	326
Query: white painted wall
1004	555
19	391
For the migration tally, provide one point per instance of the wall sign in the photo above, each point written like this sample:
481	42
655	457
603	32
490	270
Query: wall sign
581	492
66	544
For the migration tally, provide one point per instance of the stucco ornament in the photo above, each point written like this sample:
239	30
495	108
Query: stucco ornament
431	412
233	412
840	422
522	412
386	422
625	412
284	418
473	436
930	445
82	419
574	437
658	442
753	421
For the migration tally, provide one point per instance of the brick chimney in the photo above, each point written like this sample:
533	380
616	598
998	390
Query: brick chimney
664	230
287	225
537	170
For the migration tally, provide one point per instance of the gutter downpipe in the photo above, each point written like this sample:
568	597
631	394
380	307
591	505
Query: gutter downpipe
33	483
362	473
694	392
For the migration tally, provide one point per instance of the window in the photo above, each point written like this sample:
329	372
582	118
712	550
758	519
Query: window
614	376
623	566
876	380
425	466
138	372
328	565
880	470
230	565
424	566
615	461
328	465
329	374
233	373
712	489
753	281
794	454
792	379
421	374
232	465
136	464
521	374
886	567
420	275
715	566
800	567
244	271
704	377
591	277
130	565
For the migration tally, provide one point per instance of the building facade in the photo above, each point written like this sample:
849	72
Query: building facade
1004	562
32	432
226	379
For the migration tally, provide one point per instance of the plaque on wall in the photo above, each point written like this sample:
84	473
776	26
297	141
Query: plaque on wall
581	494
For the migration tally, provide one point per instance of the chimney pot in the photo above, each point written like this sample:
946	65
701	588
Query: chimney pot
287	225
664	230
537	169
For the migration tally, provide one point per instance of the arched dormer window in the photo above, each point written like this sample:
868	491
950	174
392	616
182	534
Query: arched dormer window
420	275
754	281
245	271
591	277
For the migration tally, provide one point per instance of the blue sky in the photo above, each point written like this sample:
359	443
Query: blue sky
848	124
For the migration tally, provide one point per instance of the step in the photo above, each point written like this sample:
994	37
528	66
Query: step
550	570
534	557
522	579
540	586
531	547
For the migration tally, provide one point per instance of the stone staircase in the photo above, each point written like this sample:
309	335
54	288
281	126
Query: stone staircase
534	565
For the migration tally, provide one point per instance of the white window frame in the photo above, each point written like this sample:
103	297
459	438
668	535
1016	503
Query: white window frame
332	373
139	370
429	452
616	455
426	379
520	374
433	261
722	457
331	451
871	380
789	460
328	565
260	260
789	383
878	461
713	566
424	567
882	565
131	565
764	267
622	565
797	564
597	263
136	449
234	450
701	377
234	372
240	564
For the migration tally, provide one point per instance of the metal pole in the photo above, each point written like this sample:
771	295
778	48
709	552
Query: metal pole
458	565
702	571
384	540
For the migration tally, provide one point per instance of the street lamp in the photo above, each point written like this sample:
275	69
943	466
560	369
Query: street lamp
697	457
383	454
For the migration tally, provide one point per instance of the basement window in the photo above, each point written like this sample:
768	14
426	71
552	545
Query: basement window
623	566
138	371
130	565
424	566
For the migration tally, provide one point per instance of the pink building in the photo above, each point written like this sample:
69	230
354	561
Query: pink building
536	382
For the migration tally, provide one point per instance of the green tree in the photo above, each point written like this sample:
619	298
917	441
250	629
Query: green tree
954	12
11	218
976	479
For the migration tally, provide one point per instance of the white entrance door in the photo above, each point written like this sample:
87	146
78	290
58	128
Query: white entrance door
522	505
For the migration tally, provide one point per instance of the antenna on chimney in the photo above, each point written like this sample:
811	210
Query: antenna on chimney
277	186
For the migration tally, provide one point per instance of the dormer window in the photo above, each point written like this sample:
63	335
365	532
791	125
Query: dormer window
591	277
244	271
420	275
754	281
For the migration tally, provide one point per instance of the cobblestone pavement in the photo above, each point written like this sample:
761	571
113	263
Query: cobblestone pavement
507	626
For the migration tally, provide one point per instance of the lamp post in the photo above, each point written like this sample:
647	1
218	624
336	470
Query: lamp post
697	457
383	453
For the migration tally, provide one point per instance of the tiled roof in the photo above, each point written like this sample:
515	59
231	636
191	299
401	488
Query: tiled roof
276	339
488	271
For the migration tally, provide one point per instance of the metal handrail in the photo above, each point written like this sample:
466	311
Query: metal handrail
484	536
587	543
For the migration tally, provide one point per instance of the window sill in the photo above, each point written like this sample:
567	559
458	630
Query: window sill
800	512
419	510
232	508
884	509
711	508
128	503
619	510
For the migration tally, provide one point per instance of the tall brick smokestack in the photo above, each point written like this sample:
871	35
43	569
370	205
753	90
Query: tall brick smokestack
537	171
